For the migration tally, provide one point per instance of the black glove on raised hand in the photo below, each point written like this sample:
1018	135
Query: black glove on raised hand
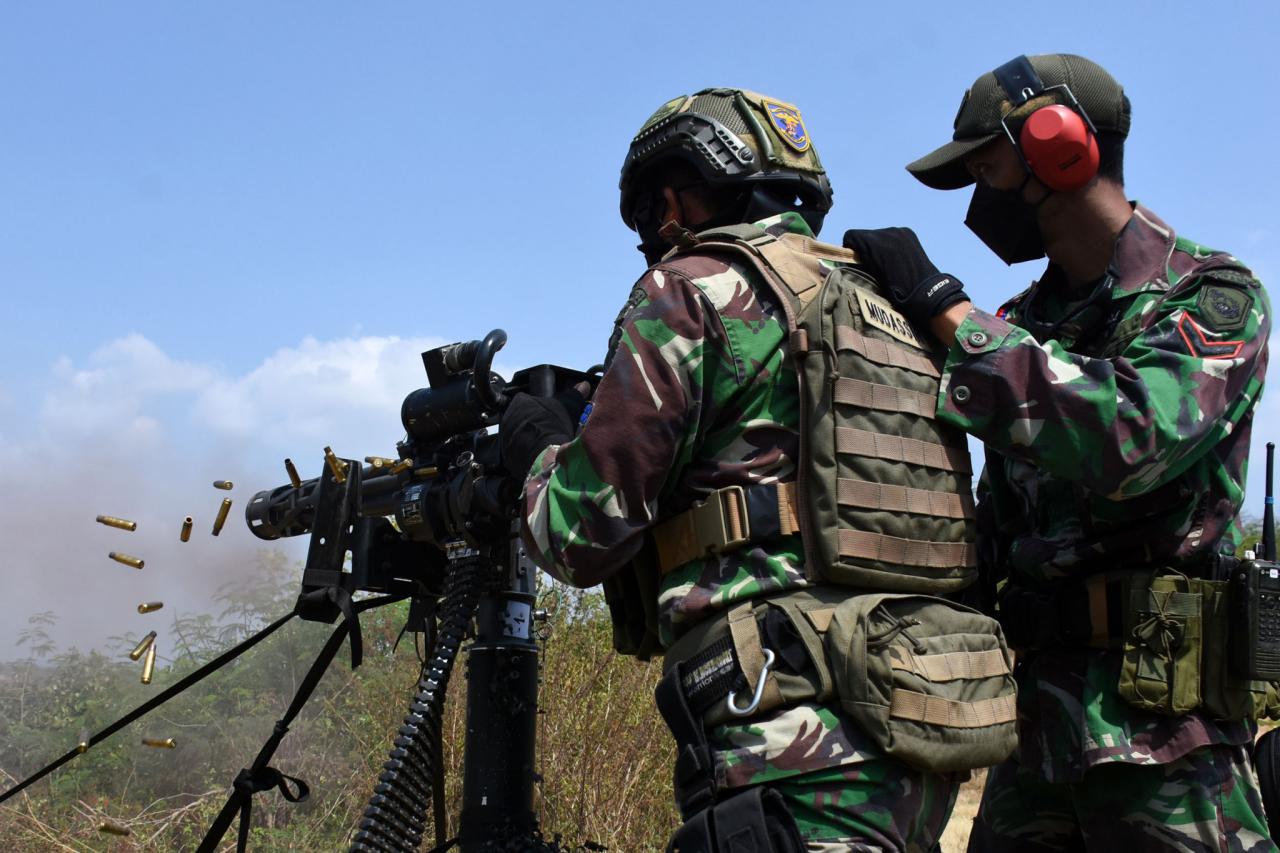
531	424
895	258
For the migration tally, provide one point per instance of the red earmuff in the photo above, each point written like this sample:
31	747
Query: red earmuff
1059	148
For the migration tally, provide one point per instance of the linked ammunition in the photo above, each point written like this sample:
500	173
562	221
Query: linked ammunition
150	606
185	535
160	743
225	485
143	645
336	465
110	827
293	473
121	523
126	559
222	516
149	664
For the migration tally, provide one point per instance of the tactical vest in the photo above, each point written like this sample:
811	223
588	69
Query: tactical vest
882	498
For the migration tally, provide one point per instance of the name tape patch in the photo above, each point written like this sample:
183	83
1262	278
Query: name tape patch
886	318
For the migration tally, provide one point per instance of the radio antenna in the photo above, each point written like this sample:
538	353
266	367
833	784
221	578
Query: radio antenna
1268	512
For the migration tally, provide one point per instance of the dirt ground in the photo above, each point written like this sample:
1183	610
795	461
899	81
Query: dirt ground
956	838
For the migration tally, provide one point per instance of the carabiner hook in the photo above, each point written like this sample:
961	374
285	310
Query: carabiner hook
769	658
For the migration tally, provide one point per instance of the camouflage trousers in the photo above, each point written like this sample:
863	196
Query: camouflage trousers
844	794
1208	800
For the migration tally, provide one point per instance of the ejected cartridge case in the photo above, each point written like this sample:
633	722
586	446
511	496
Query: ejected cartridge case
143	645
150	606
160	743
185	535
110	827
222	516
293	474
225	485
82	746
121	523
336	465
149	664
126	559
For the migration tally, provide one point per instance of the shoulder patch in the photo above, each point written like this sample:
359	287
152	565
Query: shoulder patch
1222	307
637	296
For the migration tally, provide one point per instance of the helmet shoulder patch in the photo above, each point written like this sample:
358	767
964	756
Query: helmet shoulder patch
787	122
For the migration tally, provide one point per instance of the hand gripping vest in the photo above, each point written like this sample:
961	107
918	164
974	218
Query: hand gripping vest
882	499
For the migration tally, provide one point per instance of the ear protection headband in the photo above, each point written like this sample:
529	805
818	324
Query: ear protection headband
1058	143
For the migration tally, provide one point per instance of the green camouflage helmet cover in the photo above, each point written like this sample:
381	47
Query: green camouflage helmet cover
732	137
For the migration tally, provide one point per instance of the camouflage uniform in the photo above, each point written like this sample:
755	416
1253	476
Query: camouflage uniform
1117	440
699	395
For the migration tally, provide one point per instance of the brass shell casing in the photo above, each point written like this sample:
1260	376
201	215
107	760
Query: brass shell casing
143	645
336	466
185	535
149	664
135	562
120	523
294	479
225	485
160	743
222	516
83	745
110	827
150	606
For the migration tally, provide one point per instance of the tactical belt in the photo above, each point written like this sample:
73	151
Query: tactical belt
736	516
1089	613
725	521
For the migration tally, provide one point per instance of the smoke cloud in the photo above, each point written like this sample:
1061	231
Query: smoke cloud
139	433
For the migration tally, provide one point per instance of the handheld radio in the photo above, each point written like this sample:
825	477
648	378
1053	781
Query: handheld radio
1255	600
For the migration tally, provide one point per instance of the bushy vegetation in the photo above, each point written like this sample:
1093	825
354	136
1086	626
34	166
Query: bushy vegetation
604	754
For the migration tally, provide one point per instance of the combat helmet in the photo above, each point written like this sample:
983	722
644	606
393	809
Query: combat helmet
733	138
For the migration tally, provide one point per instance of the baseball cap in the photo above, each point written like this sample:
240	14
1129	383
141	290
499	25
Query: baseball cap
985	104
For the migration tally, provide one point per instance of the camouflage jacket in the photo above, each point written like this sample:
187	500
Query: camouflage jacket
1117	438
698	394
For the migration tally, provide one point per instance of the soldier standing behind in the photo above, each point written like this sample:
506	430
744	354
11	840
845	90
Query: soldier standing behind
1115	397
699	398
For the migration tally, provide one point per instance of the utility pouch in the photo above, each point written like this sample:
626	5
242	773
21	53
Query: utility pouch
1162	649
929	680
724	658
1223	695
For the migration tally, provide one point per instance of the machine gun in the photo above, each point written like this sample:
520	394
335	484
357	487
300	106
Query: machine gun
439	525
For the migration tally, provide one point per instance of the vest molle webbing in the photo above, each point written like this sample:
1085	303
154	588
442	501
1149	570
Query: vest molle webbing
883	498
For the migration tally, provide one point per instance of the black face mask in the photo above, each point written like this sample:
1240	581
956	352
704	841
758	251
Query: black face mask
1006	223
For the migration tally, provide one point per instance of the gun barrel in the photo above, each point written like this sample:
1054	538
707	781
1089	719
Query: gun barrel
291	511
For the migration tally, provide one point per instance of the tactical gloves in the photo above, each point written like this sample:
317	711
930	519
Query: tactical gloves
895	258
531	424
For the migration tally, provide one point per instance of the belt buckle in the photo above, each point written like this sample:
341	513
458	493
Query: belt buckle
714	525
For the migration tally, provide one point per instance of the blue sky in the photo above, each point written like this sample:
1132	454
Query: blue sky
226	229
